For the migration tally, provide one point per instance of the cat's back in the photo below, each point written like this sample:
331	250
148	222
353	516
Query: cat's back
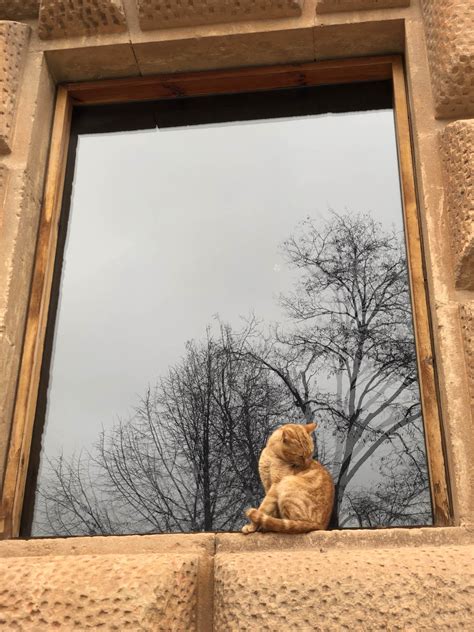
318	478
318	468
308	495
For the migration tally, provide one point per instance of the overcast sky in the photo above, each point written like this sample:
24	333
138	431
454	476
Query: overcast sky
169	228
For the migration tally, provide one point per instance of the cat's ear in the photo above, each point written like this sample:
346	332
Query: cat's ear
310	427
284	435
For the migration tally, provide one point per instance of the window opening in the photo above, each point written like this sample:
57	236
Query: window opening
227	264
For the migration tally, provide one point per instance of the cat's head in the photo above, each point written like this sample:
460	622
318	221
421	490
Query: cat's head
293	443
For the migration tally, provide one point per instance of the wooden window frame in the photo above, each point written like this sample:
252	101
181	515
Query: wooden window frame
171	86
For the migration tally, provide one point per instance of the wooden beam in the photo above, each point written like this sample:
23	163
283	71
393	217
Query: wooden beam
440	497
172	86
32	354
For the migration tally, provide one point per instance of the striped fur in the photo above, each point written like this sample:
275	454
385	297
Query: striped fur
299	491
281	525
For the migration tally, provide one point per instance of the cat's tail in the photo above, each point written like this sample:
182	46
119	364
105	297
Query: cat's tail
281	525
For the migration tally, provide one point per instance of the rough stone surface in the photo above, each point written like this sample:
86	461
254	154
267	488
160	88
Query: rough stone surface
266	582
467	324
13	40
69	18
259	580
201	544
18	225
18	9
332	6
457	144
95	62
3	188
357	38
160	14
225	51
449	26
343	539
386	589
120	592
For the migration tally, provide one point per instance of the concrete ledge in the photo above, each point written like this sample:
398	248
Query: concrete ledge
344	539
199	544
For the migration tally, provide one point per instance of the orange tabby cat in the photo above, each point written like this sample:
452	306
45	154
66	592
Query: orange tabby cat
299	491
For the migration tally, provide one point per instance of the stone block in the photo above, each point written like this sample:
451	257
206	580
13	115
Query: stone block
87	63
22	192
457	145
69	18
466	312
356	39
429	588
18	9
110	592
332	6
3	188
225	51
162	14
18	226
449	27
13	39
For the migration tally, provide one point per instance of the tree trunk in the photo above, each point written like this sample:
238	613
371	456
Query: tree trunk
334	521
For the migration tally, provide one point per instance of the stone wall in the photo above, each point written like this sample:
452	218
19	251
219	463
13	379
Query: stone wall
62	18
162	14
391	579
398	580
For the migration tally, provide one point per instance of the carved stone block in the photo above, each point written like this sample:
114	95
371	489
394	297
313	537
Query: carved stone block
449	26
358	589
69	18
332	6
457	144
3	188
467	324
18	9
13	39
110	592
161	14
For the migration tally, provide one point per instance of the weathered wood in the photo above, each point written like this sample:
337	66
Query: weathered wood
27	392
421	318
231	81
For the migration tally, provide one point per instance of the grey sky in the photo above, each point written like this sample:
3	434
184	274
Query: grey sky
170	227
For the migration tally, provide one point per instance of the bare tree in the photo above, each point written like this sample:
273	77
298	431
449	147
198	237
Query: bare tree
349	356
186	461
401	497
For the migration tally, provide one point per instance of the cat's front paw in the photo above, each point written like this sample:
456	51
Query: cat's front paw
250	513
249	528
